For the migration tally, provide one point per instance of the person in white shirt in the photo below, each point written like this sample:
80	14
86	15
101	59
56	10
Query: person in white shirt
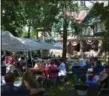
82	61
62	72
62	68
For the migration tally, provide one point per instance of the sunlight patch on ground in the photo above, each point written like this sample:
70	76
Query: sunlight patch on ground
61	88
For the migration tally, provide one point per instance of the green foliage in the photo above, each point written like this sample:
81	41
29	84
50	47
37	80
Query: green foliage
41	14
24	35
73	24
103	12
11	19
105	41
16	14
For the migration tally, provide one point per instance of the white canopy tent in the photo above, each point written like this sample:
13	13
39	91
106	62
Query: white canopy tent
58	45
30	43
11	43
44	45
55	44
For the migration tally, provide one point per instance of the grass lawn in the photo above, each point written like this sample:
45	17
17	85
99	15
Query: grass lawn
64	89
61	89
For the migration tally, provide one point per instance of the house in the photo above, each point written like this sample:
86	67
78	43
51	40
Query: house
88	40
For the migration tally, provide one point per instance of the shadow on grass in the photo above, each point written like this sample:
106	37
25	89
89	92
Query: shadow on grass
63	90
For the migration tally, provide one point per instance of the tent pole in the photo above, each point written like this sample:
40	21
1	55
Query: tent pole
4	52
26	54
31	57
41	54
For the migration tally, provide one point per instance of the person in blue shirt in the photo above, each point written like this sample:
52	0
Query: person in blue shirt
82	61
8	89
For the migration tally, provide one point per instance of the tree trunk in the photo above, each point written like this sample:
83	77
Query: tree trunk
108	56
29	31
37	35
64	39
81	47
29	37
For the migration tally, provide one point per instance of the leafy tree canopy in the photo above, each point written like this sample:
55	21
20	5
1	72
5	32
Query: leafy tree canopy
103	12
35	14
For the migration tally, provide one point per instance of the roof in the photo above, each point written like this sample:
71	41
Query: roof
99	34
77	16
89	19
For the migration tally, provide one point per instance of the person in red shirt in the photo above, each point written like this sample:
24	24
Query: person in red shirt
45	71
9	60
53	72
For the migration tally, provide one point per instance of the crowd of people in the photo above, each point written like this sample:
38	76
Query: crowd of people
24	89
50	72
91	72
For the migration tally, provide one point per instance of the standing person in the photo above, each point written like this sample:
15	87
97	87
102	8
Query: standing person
53	72
22	63
9	60
45	71
54	57
57	62
62	70
29	63
82	61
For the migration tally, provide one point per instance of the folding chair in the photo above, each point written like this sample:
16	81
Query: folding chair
104	86
81	90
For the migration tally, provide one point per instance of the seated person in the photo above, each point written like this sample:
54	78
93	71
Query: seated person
92	78
9	89
104	77
98	68
37	67
92	82
31	83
